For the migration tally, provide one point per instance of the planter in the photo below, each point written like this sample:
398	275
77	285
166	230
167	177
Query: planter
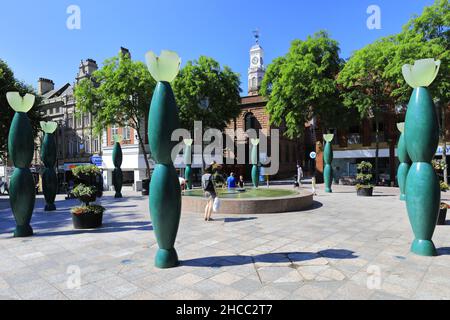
87	220
442	217
365	192
88	199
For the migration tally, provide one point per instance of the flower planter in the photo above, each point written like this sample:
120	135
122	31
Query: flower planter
87	220
365	192
88	199
442	217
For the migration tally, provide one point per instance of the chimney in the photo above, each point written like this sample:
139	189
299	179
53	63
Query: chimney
125	52
45	85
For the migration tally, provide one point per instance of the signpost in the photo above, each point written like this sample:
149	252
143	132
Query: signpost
97	160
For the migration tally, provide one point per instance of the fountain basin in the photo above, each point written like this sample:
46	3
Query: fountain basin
252	201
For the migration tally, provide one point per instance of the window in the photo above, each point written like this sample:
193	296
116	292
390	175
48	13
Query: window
70	150
96	145
70	121
253	83
86	120
87	145
79	122
127	133
250	121
114	131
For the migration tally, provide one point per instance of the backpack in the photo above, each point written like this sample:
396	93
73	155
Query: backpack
209	185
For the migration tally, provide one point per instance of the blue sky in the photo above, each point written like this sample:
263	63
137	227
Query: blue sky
35	41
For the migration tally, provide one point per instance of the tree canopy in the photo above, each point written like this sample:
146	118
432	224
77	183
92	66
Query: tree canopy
118	94
205	91
302	84
9	83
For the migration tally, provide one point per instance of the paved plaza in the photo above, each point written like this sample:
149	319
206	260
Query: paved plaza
345	247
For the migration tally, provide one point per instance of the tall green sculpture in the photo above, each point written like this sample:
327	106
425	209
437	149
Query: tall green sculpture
254	160
22	192
165	191
423	193
188	162
328	159
48	157
405	161
117	177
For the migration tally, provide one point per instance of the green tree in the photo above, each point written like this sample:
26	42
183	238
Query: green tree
372	80
9	83
205	91
364	86
118	94
302	84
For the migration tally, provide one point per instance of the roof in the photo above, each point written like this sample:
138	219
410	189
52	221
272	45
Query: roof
65	90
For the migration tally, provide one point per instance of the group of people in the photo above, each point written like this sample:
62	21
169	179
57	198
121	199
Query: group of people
233	183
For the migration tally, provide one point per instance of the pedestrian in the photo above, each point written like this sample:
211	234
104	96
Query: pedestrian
231	181
210	192
299	175
241	183
314	186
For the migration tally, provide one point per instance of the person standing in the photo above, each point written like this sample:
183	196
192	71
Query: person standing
210	192
299	175
231	181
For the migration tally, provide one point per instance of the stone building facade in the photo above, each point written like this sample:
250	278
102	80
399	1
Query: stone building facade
76	141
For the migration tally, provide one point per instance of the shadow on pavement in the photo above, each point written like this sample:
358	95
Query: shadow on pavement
226	261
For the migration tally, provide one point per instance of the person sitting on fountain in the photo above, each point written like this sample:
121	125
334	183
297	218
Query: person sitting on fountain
231	181
241	183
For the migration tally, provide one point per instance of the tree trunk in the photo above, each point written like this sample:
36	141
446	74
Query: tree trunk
144	152
377	147
444	149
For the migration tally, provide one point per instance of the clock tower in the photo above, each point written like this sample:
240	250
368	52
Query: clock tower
257	69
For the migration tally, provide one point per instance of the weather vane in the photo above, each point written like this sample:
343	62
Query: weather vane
256	35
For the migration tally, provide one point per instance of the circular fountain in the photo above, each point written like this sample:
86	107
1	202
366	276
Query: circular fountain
250	201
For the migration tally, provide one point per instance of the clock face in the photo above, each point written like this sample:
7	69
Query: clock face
255	60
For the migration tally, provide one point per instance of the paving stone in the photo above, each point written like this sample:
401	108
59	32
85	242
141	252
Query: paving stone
322	253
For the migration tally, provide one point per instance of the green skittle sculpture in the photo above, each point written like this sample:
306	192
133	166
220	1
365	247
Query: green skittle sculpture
165	191
254	160
328	159
48	157
117	177
423	193
405	161
188	162
22	192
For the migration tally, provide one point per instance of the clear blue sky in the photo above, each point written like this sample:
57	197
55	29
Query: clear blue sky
35	41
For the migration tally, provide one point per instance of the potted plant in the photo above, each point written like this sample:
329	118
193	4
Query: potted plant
439	166
86	216
364	185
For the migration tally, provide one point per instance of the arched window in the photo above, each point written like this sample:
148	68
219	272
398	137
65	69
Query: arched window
253	82
250	121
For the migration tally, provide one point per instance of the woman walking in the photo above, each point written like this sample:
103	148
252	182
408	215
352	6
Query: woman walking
210	192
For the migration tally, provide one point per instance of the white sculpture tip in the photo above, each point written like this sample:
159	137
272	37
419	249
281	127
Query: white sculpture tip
19	103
